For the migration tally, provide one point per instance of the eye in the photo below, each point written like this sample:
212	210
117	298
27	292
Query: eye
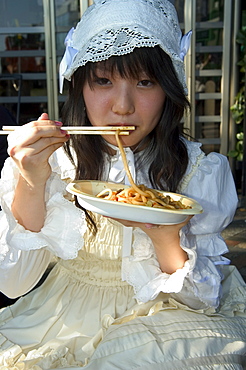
102	81
145	83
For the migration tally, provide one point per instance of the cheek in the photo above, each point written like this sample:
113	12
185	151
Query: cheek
95	104
87	96
92	106
154	109
155	102
159	105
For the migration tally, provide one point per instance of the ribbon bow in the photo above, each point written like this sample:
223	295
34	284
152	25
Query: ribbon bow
68	57
117	172
185	44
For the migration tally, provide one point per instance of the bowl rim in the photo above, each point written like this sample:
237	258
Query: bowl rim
71	187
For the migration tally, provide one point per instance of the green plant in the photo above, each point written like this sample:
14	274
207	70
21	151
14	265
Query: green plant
238	151
238	108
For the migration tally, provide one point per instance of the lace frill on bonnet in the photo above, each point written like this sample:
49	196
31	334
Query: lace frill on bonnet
117	27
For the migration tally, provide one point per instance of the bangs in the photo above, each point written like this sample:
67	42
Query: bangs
131	65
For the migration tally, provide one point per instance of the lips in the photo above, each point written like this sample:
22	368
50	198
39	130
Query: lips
122	124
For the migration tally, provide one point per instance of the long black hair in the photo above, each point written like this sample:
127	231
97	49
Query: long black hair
167	150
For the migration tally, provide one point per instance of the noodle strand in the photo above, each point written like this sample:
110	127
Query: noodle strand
138	195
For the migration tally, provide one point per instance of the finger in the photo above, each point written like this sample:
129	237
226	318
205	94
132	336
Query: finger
50	144
186	221
36	136
126	223
32	158
155	226
33	131
189	218
43	122
35	145
151	226
44	116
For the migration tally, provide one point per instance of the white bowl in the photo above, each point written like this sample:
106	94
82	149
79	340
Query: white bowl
87	190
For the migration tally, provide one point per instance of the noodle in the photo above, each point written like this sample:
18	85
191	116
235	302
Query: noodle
139	195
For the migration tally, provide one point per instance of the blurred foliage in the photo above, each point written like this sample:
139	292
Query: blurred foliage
238	108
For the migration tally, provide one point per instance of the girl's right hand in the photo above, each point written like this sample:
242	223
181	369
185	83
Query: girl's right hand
32	144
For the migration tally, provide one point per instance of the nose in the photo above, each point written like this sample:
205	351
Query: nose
123	101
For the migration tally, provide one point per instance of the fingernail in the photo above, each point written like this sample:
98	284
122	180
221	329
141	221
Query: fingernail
63	131
58	123
151	226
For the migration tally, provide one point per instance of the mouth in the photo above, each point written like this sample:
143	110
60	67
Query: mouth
121	124
124	125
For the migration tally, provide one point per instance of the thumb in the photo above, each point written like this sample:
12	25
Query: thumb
44	116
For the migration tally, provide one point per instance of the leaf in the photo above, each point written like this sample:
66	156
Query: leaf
240	136
237	116
240	157
239	146
233	153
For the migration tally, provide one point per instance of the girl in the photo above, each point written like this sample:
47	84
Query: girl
122	294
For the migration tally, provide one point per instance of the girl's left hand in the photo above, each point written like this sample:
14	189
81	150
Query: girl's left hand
152	229
166	241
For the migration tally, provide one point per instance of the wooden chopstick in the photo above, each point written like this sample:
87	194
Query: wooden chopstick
98	128
5	132
125	133
83	130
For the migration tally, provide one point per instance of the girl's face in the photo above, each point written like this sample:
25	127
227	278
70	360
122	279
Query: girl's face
112	100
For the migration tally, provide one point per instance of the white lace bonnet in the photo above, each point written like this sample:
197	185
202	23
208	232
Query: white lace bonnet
116	27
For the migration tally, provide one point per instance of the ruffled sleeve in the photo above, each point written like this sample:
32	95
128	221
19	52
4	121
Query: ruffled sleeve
30	250
198	284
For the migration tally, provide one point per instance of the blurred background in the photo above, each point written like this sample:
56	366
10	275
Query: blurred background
32	34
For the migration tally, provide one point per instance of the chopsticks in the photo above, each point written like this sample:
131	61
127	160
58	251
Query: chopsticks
83	130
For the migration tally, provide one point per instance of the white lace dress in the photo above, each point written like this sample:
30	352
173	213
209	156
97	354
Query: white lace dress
106	304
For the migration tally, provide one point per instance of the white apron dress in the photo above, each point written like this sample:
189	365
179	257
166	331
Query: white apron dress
97	310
